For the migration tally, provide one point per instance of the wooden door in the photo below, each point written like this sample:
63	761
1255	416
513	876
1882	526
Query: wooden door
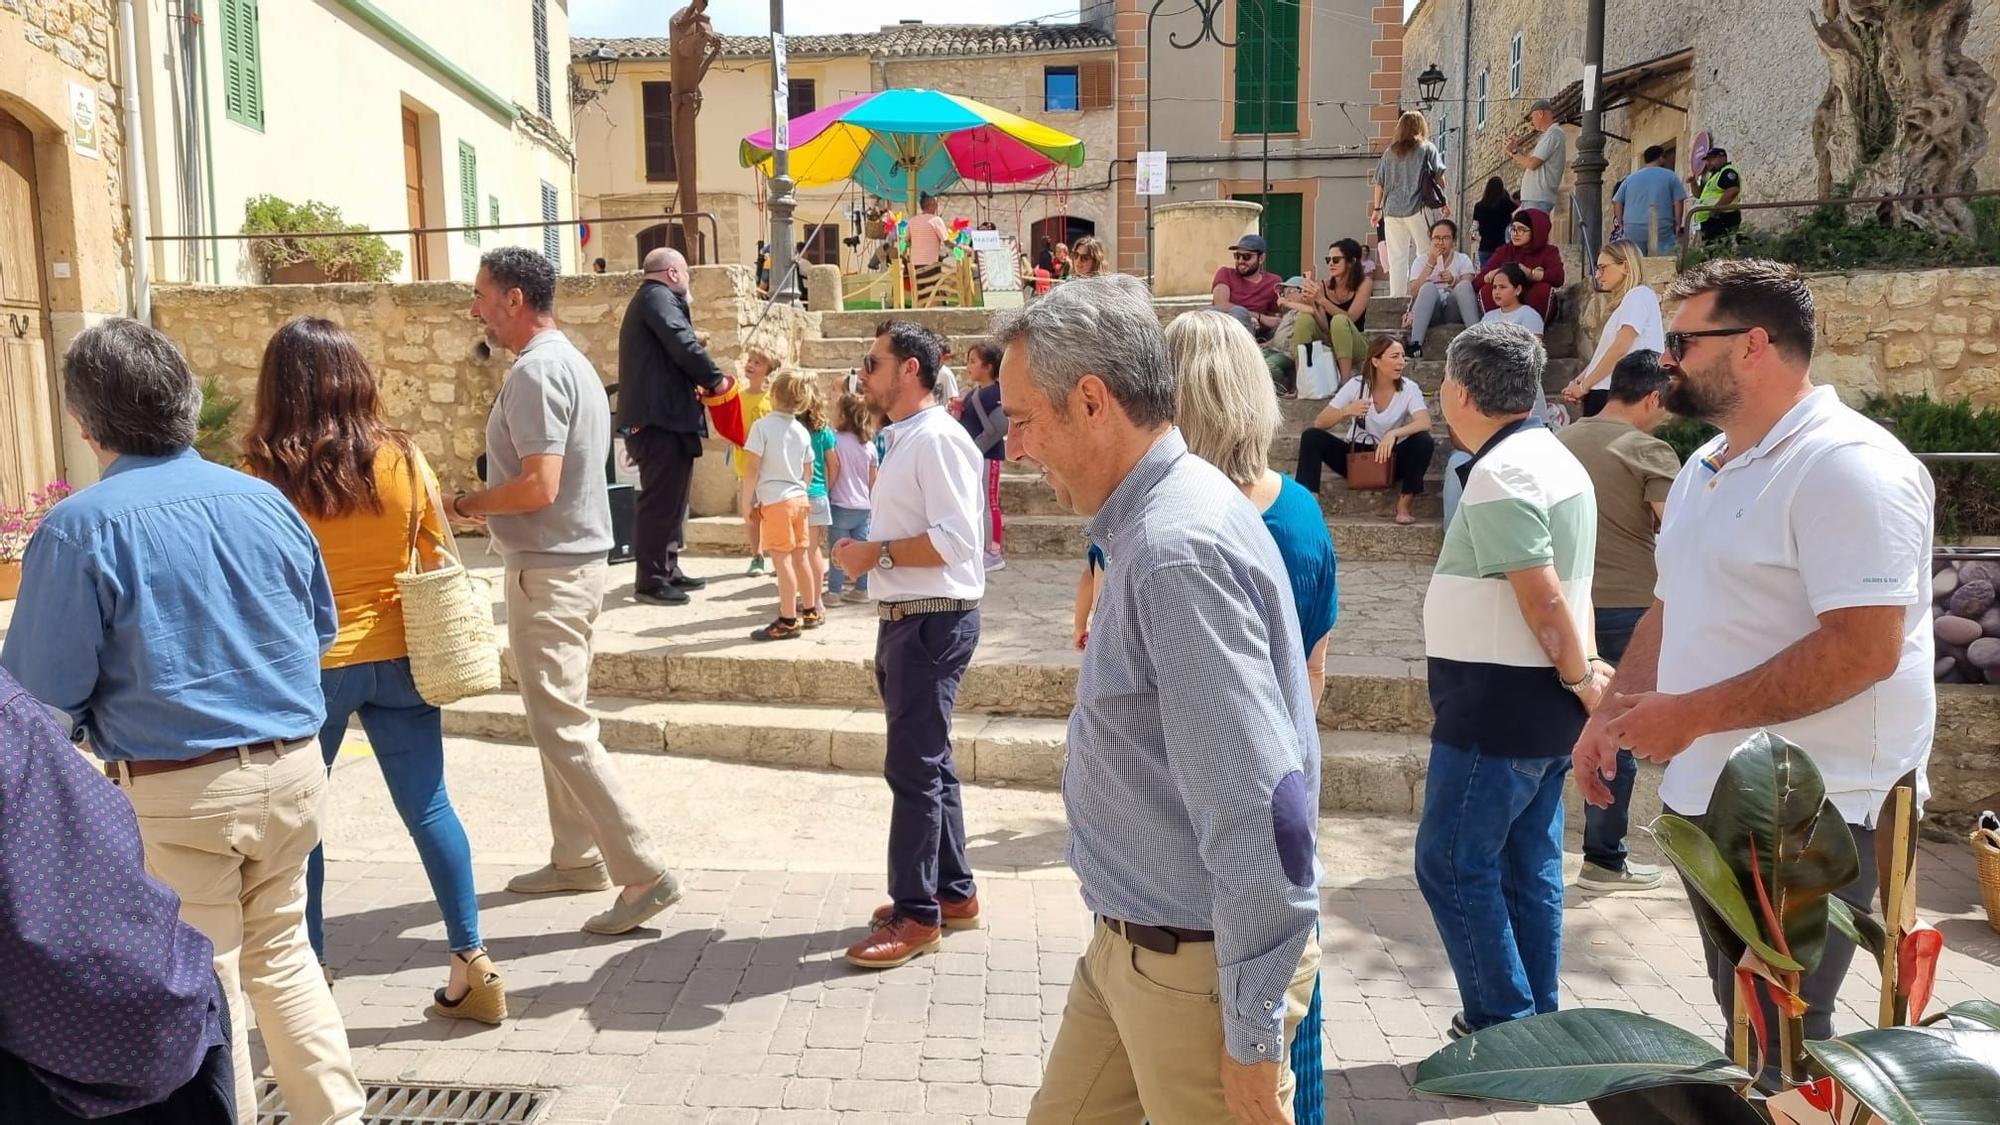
29	453
413	189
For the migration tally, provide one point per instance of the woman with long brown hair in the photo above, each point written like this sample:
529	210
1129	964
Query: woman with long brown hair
1399	199
1383	411
319	436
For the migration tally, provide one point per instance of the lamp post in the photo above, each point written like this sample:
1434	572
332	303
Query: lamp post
1430	90
603	64
1590	162
783	202
1208	9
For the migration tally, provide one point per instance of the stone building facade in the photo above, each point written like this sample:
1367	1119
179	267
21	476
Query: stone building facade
623	174
64	243
1747	72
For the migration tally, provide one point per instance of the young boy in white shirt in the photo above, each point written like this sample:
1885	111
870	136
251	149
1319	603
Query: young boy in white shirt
778	460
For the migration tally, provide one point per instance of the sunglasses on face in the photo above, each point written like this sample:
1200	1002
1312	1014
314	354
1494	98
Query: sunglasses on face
1677	342
868	364
1335	258
1243	257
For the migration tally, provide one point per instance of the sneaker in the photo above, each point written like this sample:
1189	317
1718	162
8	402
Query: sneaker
1459	1028
556	880
1635	877
783	629
898	943
625	916
996	561
812	618
958	914
856	596
661	595
756	566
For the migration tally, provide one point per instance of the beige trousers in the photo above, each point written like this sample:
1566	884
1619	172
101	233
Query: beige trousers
231	838
550	612
1141	1039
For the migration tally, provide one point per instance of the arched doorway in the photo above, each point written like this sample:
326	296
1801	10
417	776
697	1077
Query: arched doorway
1058	228
669	234
28	424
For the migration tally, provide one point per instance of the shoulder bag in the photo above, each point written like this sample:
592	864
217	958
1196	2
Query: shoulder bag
447	624
1364	472
1430	182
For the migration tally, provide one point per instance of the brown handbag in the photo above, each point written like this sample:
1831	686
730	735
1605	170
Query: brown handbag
1363	470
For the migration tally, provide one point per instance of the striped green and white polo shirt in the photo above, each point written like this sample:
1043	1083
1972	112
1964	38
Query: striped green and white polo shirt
1527	503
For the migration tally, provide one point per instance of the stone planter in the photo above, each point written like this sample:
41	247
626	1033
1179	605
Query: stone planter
1191	241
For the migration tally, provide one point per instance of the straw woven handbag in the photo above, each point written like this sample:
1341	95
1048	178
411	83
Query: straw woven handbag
447	624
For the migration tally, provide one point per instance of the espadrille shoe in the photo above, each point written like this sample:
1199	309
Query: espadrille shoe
485	1002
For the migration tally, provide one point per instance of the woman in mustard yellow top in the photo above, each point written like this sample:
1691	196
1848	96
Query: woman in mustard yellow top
319	437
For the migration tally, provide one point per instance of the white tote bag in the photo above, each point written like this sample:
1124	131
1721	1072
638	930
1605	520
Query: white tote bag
1319	373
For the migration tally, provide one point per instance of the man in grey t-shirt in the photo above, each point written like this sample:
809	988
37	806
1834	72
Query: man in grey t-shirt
1544	162
546	443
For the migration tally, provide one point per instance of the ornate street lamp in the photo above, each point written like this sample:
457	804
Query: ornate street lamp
603	71
1430	85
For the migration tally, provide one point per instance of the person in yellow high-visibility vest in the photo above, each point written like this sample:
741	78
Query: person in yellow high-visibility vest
1716	188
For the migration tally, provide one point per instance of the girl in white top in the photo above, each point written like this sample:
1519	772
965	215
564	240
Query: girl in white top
1634	324
1444	275
1510	281
1386	407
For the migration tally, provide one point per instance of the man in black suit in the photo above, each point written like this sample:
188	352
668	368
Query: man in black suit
661	368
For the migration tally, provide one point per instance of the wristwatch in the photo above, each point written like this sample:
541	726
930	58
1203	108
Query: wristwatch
1589	673
884	562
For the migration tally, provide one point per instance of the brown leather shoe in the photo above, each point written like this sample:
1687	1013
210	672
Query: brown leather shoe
962	914
897	943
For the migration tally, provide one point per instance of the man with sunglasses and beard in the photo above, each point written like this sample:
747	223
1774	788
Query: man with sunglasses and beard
1794	583
1245	289
927	578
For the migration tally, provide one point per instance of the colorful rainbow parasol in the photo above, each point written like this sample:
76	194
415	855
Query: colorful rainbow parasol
898	144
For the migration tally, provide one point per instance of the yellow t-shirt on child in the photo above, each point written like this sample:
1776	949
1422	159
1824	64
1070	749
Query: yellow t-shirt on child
756	404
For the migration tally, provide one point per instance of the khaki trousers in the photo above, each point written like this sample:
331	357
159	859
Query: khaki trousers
1141	1039
231	838
550	612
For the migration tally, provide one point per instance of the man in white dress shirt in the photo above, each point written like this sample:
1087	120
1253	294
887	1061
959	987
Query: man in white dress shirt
927	579
1794	587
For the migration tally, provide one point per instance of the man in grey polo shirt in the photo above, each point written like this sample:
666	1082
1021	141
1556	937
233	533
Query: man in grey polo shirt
1193	779
1542	162
548	513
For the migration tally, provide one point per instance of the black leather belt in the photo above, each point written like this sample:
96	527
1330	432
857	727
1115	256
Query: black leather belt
1159	939
896	611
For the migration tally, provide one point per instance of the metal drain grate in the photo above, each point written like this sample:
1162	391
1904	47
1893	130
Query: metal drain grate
396	1104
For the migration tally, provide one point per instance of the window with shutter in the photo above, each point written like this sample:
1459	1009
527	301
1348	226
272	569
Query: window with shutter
468	191
801	98
551	229
493	209
1095	79
544	103
242	64
657	110
1267	66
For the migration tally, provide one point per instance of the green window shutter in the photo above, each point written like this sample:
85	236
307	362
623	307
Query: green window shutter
242	64
551	229
468	189
544	103
1283	223
1267	29
493	209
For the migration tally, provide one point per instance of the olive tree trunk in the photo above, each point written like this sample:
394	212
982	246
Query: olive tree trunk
1904	111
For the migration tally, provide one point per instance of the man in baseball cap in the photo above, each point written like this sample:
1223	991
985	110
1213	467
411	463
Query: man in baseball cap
1543	159
1245	290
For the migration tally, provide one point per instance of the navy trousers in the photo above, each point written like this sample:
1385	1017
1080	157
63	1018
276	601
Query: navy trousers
919	662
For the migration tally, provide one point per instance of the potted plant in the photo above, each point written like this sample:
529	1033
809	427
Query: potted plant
17	526
1763	876
352	254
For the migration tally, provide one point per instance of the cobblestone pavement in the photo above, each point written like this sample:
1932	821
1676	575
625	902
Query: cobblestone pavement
736	1008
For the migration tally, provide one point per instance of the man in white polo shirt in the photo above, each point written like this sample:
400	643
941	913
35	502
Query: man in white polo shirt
1794	585
928	580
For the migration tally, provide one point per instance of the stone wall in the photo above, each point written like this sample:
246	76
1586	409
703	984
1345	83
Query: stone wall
1934	332
78	33
437	376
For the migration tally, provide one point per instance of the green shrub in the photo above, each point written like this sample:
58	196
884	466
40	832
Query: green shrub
353	256
215	427
1686	435
1827	239
1968	493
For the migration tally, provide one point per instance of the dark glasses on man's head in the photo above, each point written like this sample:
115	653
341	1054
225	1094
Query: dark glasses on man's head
1677	342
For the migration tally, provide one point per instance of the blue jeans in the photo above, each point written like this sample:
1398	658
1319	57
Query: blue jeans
1604	829
848	523
407	735
1489	863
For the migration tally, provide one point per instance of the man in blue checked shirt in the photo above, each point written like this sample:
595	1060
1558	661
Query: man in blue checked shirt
1193	769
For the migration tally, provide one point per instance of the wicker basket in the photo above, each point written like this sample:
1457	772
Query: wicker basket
447	622
1988	854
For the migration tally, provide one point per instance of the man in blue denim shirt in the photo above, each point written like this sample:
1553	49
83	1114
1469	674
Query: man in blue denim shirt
1192	784
176	611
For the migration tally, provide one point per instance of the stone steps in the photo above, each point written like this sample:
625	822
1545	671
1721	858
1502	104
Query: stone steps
1062	537
1360	772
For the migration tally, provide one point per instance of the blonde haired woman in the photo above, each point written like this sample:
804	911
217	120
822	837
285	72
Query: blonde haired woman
1399	203
1632	323
1227	411
1086	258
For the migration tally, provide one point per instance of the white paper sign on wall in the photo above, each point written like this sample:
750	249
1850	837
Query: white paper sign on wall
1152	173
83	120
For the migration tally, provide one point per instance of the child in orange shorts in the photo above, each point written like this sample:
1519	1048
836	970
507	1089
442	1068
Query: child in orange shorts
778	463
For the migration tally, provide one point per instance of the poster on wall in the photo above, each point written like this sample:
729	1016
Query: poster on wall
83	120
1152	168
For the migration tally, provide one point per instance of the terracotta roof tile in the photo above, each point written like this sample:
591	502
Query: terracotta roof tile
899	41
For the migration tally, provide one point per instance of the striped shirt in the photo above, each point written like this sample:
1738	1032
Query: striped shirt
1192	783
1528	503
